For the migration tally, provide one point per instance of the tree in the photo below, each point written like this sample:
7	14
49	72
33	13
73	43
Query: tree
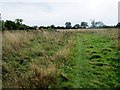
24	27
42	27
76	26
99	24
19	21
84	24
10	25
93	23
60	27
52	26
68	25
35	27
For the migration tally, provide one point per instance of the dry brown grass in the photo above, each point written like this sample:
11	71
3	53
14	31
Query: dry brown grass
42	70
15	40
41	76
66	50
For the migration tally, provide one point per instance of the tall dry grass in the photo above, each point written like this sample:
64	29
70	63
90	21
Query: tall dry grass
42	68
41	76
15	40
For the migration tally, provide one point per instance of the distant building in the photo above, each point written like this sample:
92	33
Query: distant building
119	11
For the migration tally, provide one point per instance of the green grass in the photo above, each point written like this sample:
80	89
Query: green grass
94	63
50	59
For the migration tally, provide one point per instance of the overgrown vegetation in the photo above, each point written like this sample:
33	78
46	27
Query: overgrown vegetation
29	58
60	59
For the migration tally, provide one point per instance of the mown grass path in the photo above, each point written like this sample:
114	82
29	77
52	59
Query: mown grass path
94	62
81	64
81	68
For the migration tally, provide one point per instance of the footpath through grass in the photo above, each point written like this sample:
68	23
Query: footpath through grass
93	62
62	59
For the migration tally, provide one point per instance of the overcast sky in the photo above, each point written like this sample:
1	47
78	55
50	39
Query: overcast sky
57	12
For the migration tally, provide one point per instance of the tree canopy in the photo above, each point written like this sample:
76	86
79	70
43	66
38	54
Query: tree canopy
68	25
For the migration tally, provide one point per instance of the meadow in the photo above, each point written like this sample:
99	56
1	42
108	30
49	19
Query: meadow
85	58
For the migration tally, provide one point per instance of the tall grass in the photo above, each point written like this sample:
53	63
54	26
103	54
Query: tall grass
30	57
47	59
15	40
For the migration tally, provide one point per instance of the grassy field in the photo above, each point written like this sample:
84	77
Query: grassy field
61	59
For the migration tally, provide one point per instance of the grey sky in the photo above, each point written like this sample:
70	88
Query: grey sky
57	12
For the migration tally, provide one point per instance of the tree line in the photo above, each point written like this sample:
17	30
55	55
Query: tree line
18	25
15	25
